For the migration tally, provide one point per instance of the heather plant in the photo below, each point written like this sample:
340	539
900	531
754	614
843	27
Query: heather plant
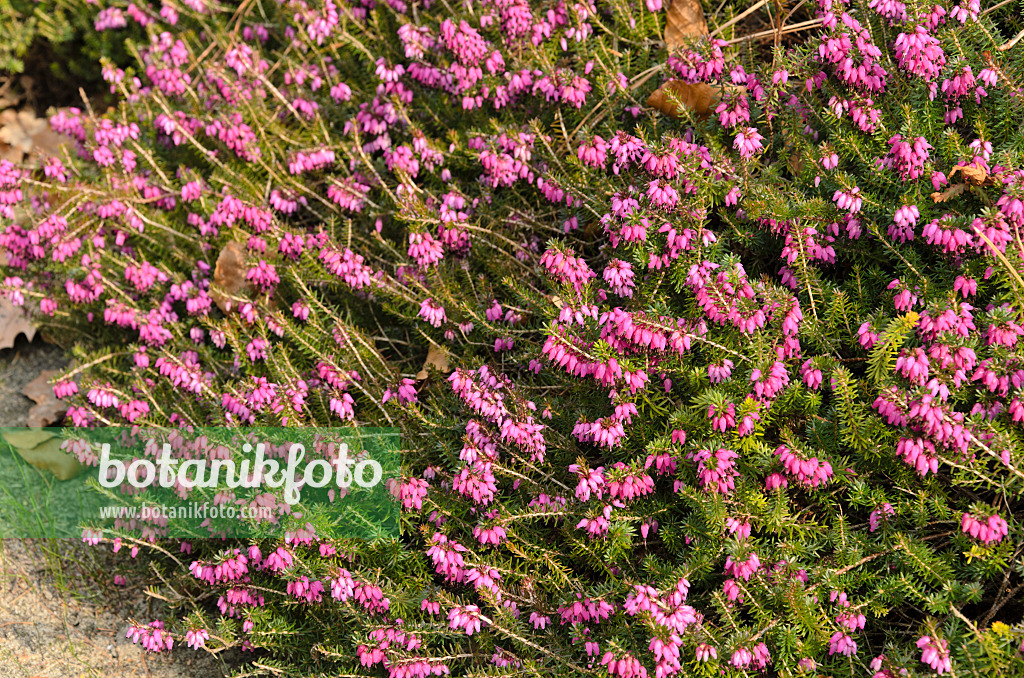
732	391
59	43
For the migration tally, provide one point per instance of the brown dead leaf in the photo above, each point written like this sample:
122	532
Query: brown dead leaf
26	438
229	275
437	359
22	134
698	97
8	97
795	159
13	322
975	176
48	410
949	193
17	130
685	20
48	456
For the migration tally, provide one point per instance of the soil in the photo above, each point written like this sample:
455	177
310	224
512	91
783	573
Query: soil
47	630
58	617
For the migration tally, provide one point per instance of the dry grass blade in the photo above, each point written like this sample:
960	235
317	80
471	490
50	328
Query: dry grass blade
750	10
795	28
698	97
685	20
1011	44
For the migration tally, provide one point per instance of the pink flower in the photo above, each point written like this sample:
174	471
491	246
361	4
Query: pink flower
740	529
840	643
716	472
619	276
935	654
662	195
424	249
743	569
432	313
719	373
595	153
848	200
875	520
919	453
626	666
907	158
990	530
741	658
412	493
920	53
748	142
565	268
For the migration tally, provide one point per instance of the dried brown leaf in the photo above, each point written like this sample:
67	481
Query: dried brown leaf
26	438
22	134
795	159
949	193
48	410
229	275
8	97
48	456
698	97
13	322
975	176
437	359
685	20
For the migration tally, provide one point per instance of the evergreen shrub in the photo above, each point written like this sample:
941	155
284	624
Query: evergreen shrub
735	392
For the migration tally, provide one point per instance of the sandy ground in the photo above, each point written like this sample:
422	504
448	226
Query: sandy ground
56	621
47	630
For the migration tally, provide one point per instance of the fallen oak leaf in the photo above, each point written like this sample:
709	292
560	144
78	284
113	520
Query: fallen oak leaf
975	176
48	410
229	275
26	438
39	389
949	193
48	456
698	97
13	322
794	159
23	135
437	359
685	20
17	130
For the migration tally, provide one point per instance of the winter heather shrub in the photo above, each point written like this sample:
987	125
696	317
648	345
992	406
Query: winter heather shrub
729	394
